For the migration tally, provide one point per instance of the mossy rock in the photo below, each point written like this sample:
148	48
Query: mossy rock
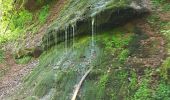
105	14
33	52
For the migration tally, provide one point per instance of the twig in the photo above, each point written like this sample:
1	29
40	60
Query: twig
80	83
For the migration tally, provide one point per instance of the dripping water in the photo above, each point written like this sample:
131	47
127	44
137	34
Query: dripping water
56	39
93	21
73	35
93	36
92	39
47	41
66	37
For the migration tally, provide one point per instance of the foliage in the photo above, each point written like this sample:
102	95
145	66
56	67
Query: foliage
164	68
157	2
119	40
143	93
163	4
13	21
133	81
153	19
144	90
102	85
20	19
165	32
23	60
43	14
162	92
123	55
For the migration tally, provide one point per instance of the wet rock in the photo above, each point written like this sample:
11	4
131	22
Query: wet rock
107	14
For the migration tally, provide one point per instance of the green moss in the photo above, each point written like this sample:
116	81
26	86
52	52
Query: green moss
143	93
43	14
162	92
165	68
102	86
44	84
133	81
144	90
23	60
162	4
31	98
65	84
123	55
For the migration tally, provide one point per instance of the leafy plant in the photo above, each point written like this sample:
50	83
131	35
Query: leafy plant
164	68
162	92
21	19
14	26
102	85
143	93
123	55
133	81
120	40
43	14
23	60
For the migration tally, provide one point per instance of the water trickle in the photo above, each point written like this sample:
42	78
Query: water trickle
66	38
93	33
56	39
47	40
73	26
92	40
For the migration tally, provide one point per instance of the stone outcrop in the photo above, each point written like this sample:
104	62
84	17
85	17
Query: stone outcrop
106	13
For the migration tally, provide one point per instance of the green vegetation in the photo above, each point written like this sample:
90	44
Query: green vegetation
17	23
118	43
162	92
102	85
123	55
43	14
45	84
16	27
120	70
23	60
143	93
161	3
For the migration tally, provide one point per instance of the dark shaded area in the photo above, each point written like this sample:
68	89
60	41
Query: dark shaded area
105	20
33	5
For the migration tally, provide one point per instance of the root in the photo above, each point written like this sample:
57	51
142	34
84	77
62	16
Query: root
80	83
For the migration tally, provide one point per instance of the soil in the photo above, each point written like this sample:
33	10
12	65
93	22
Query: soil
14	74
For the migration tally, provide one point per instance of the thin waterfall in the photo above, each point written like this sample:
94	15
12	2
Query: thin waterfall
66	33
93	35
47	41
92	39
93	22
56	39
73	26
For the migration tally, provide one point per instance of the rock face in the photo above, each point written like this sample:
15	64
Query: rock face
33	52
77	16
